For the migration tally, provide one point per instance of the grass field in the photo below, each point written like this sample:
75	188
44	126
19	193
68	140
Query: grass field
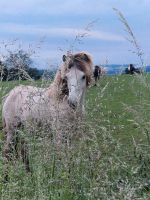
110	161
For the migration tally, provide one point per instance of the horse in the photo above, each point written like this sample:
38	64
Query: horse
59	105
96	73
132	70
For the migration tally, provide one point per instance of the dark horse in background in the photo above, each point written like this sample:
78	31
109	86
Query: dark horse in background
132	70
97	73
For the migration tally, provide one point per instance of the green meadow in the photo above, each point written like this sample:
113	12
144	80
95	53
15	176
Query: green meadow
110	158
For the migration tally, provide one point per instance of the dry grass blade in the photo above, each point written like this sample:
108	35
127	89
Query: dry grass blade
131	37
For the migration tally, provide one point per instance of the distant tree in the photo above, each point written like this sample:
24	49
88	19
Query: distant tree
3	72
48	74
34	73
18	64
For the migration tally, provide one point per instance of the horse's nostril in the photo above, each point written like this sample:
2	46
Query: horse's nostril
73	105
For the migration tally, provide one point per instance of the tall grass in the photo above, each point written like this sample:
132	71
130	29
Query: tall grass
108	161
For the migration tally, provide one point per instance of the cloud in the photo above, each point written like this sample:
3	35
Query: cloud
52	7
57	32
45	6
106	36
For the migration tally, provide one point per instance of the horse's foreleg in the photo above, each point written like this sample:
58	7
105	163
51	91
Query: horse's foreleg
58	139
25	155
63	140
8	146
7	152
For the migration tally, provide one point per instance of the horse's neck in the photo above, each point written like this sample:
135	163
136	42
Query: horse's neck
53	89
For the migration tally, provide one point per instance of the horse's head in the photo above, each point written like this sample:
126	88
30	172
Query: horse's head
77	77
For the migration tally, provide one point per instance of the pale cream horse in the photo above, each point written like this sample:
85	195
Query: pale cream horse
59	105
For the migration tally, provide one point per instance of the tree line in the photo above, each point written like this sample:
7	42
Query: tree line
18	66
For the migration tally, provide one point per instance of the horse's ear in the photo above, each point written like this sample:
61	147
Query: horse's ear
85	57
64	58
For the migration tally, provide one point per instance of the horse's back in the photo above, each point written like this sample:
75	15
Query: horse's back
18	93
15	102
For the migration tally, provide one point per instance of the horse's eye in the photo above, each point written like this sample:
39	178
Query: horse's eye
83	77
70	65
64	79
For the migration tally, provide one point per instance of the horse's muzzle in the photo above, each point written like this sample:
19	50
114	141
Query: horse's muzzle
72	104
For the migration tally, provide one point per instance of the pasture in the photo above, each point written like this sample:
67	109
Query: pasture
110	158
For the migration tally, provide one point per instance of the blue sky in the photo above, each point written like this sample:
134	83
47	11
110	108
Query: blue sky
53	25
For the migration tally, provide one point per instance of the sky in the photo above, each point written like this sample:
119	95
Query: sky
49	28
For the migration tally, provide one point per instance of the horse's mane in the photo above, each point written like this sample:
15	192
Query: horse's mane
84	63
